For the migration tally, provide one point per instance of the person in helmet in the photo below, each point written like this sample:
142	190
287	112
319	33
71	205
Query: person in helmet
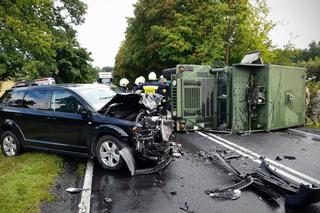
139	81
165	91
152	86
123	85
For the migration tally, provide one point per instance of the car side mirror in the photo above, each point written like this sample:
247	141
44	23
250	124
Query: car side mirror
84	112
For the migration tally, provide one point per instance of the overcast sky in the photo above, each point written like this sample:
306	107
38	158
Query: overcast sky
103	31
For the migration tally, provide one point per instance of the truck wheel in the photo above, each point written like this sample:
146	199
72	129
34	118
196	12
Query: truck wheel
10	144
108	152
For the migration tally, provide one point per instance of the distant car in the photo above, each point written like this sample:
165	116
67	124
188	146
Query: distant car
84	120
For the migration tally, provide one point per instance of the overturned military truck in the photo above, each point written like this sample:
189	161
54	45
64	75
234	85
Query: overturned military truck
246	97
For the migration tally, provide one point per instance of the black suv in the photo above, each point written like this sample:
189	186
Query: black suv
84	120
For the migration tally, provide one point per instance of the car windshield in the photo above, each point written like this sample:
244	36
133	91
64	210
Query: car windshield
97	97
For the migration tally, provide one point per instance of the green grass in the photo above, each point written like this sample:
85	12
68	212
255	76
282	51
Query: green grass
25	181
81	170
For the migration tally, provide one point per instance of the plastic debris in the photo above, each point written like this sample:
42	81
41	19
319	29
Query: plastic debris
173	192
289	157
75	190
186	208
278	158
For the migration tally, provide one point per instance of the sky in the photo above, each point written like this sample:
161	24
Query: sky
104	30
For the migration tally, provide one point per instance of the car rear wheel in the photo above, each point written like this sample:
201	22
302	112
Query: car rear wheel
108	152
10	144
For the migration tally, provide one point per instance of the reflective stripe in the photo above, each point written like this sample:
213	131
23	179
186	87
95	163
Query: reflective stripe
150	89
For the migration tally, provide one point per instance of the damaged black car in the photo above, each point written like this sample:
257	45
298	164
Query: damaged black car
87	120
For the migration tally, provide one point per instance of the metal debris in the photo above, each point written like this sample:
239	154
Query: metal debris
227	194
173	192
176	154
278	158
186	208
289	157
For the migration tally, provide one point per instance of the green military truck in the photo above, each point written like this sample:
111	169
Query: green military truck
246	97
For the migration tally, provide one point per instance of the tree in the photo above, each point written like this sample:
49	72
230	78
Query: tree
168	32
37	39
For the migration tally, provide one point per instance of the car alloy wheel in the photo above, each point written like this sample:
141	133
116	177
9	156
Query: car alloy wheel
109	153
9	145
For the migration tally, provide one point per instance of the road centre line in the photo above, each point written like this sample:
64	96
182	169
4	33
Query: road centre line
84	205
303	133
268	160
256	158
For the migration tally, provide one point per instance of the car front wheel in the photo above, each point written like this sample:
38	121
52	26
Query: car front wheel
108	152
10	144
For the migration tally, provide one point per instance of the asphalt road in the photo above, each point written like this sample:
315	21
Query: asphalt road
191	175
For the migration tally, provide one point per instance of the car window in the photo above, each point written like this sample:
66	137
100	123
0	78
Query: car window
37	99
13	98
64	101
97	97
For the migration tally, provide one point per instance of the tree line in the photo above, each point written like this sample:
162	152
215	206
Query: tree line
37	39
165	33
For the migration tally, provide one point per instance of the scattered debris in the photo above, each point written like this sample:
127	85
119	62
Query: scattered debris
75	190
227	194
289	157
268	183
157	182
232	157
186	209
238	186
201	153
108	200
176	154
173	192
278	158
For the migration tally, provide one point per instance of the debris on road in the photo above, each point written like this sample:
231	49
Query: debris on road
268	183
75	190
186	209
108	200
278	158
289	157
173	192
227	194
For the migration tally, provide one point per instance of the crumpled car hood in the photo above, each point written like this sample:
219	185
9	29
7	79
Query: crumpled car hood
143	100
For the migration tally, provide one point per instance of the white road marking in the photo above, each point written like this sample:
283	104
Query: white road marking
268	160
84	205
281	169
307	134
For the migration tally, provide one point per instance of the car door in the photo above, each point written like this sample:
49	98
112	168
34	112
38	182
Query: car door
67	125
34	116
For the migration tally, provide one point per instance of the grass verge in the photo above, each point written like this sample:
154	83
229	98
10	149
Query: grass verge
81	170
26	180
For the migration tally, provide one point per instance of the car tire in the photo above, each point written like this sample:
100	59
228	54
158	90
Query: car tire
107	152
10	144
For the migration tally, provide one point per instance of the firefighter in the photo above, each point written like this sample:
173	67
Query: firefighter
152	86
139	81
123	85
165	90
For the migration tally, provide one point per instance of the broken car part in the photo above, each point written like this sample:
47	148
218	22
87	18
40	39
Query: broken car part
227	194
152	133
75	190
270	185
